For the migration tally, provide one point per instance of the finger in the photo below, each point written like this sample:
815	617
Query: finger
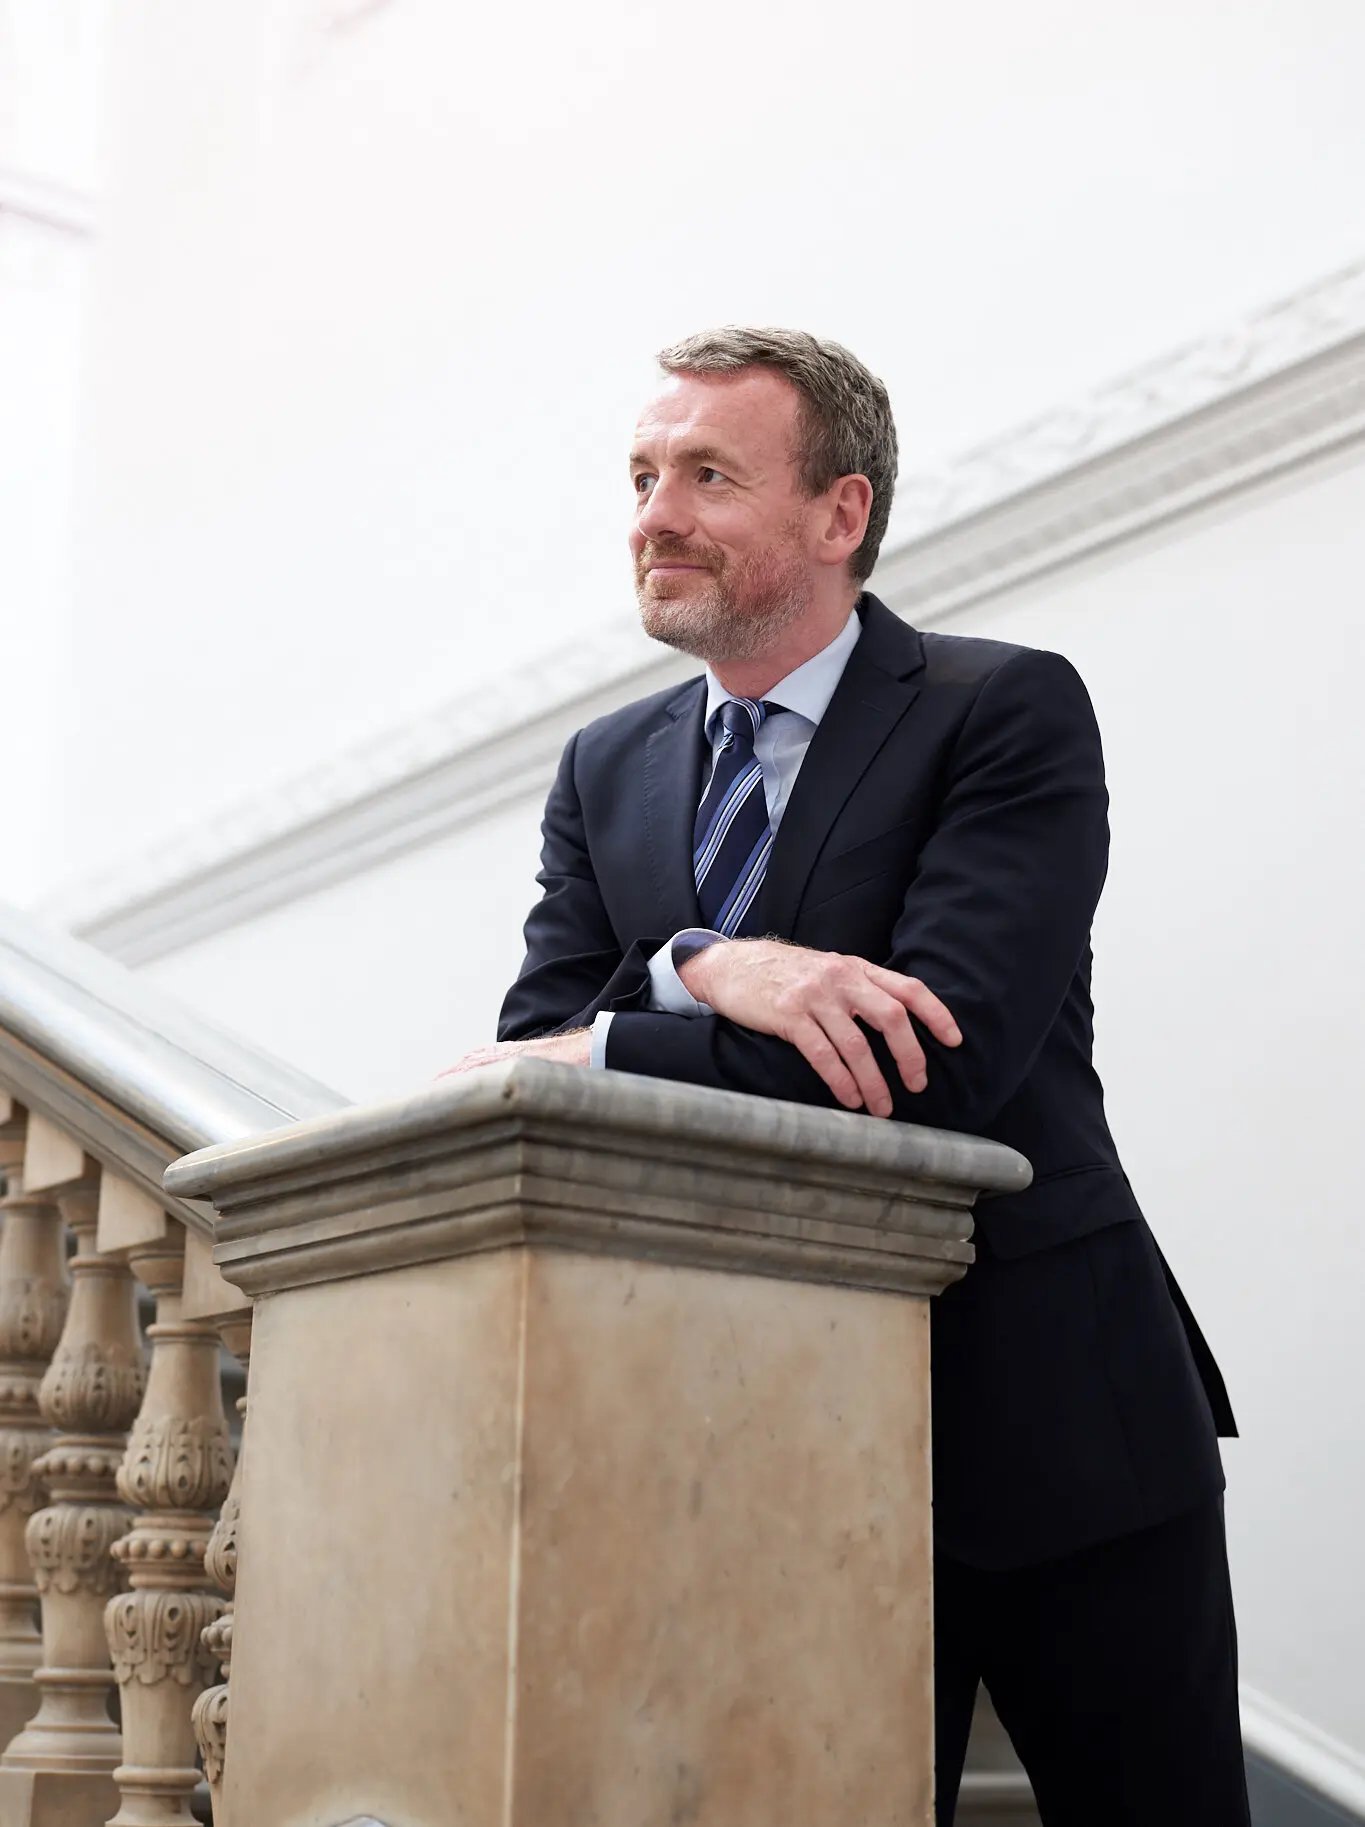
851	1045
820	1052
920	1000
888	1016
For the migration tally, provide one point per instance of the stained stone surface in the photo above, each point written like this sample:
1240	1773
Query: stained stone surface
553	1539
371	1634
724	1588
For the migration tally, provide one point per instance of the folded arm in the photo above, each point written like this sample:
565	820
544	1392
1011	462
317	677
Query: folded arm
995	921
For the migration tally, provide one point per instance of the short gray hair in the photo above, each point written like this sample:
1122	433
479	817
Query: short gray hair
844	425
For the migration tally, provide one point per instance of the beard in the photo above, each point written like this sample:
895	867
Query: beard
734	611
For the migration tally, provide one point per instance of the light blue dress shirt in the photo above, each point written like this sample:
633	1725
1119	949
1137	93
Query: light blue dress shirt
780	748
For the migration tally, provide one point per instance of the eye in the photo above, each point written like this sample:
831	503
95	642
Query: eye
711	472
635	481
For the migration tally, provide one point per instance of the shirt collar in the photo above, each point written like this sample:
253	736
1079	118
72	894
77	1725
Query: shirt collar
808	689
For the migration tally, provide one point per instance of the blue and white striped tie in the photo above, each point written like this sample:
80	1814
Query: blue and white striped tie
732	839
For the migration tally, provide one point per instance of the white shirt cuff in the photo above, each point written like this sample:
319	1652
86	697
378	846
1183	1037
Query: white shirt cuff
667	992
597	1052
668	995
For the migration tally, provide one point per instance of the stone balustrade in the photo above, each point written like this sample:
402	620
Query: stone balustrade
116	1544
114	1472
113	1468
59	1768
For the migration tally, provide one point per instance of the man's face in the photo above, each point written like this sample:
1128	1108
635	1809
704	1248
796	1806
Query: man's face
723	561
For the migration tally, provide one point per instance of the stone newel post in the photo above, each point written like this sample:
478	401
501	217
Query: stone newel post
589	1470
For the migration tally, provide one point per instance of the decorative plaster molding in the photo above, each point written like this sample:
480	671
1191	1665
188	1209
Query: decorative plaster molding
1247	403
1321	1763
44	200
318	27
477	753
1257	398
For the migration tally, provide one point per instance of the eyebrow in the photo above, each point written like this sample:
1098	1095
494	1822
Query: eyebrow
694	453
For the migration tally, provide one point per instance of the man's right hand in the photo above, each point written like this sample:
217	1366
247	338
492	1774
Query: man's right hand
810	998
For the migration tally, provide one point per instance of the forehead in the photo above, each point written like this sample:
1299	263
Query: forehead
751	413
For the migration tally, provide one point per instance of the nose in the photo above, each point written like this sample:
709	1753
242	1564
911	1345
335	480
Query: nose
663	512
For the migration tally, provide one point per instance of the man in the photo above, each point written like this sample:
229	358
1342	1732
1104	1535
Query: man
857	864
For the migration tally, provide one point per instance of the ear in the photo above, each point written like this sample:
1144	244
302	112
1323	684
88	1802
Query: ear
847	507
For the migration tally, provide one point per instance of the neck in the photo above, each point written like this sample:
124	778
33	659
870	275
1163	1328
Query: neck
755	676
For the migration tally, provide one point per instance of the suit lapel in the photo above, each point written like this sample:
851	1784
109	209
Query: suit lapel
671	790
877	689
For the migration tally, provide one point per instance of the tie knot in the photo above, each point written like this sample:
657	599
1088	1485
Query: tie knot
742	718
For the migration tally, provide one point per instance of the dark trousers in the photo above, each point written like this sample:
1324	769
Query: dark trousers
1114	1671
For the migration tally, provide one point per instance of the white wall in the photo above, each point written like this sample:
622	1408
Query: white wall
377	983
48	65
42	272
376	303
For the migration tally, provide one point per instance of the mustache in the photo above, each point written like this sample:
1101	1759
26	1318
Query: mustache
662	556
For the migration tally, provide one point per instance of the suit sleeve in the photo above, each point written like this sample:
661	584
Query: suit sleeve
995	921
574	966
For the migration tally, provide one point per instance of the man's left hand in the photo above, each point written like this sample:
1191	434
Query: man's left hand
572	1049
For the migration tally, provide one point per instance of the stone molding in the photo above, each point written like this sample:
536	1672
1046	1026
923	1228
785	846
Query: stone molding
1299	1749
1254	399
528	1153
155	1636
45	200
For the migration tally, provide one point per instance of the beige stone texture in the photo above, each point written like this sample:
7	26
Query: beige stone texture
371	1638
52	1158
206	1293
18	1698
723	1612
536	1539
127	1215
58	1771
47	1798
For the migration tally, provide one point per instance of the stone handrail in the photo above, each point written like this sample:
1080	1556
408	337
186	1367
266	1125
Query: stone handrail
125	1070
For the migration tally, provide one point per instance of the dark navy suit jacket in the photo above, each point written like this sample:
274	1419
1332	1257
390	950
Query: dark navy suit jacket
949	820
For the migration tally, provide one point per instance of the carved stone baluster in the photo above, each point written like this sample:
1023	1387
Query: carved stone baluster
60	1768
220	1563
176	1472
208	1295
33	1296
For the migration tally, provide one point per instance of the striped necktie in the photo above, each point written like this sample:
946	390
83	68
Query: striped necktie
732	839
